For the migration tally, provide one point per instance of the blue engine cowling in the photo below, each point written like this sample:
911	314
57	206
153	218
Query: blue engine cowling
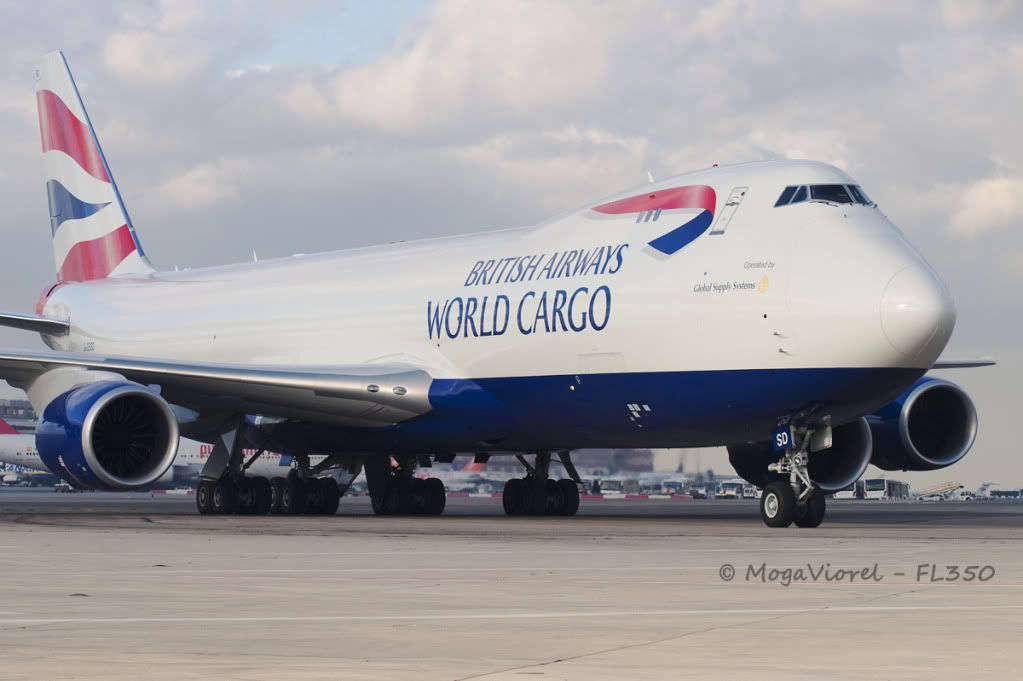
932	425
109	435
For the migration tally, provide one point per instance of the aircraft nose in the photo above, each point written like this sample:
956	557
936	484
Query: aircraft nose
917	311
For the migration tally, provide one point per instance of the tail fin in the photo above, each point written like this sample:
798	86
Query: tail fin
93	237
6	428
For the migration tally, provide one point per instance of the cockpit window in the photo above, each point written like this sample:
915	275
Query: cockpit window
832	193
859	195
785	197
835	193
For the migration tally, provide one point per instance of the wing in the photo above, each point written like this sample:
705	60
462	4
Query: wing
943	363
356	396
31	322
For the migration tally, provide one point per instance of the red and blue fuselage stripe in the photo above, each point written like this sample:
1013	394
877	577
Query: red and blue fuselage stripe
694	196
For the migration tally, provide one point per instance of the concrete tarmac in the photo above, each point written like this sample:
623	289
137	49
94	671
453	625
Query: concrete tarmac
129	586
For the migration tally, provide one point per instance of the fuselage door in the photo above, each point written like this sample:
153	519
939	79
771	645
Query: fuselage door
728	210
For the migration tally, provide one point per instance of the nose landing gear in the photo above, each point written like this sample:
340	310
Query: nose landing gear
797	500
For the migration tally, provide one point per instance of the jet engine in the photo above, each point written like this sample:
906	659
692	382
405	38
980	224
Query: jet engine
932	425
108	435
831	469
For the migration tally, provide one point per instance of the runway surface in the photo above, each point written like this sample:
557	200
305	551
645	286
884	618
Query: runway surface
129	586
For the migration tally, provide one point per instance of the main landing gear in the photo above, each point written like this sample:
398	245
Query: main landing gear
537	494
247	496
293	495
396	490
225	489
795	500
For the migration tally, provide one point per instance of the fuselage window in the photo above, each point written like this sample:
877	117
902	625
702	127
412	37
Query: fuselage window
834	193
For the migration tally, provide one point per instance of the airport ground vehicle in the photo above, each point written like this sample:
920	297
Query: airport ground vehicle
731	489
705	309
852	491
882	488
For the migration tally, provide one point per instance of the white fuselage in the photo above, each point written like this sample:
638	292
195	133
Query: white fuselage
680	349
793	286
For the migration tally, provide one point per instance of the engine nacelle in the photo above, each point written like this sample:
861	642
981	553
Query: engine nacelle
108	435
831	469
932	425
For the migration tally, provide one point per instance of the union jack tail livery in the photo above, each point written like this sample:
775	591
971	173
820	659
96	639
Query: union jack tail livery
93	237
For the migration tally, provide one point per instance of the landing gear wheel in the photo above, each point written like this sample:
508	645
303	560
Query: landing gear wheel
569	493
536	498
512	497
330	496
811	513
262	495
225	496
553	503
778	504
436	496
277	486
399	499
293	500
204	497
420	497
245	504
313	496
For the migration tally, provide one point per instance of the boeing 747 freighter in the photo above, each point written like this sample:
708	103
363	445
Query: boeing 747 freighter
769	307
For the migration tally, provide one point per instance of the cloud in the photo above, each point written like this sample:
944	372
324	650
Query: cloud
963	14
991	203
153	45
198	187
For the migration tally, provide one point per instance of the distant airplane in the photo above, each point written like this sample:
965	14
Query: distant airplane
770	307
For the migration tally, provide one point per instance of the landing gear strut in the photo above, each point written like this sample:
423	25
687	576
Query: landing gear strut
797	500
537	494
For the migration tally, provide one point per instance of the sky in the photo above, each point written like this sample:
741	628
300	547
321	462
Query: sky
296	127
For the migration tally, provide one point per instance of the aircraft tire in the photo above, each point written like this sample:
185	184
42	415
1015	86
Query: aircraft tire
419	498
535	497
277	486
811	514
437	497
225	496
395	503
313	497
204	497
510	498
262	495
246	499
569	497
553	501
778	504
330	496
293	499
